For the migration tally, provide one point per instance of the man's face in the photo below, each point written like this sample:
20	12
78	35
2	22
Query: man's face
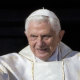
42	39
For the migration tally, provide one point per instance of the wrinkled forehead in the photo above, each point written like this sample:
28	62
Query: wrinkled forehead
41	26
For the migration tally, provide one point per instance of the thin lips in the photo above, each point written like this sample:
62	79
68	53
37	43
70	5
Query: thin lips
42	49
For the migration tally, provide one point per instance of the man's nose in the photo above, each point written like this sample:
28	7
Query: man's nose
39	41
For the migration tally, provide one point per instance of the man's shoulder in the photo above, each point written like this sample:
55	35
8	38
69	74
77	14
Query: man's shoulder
74	58
25	49
10	54
10	57
65	51
13	54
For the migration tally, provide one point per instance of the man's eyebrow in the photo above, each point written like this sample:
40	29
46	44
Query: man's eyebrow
33	35
47	35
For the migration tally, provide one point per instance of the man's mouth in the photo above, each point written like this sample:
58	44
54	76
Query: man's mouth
42	50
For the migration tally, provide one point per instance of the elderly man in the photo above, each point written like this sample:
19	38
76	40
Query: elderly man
43	58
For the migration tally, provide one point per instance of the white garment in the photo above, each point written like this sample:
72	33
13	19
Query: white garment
23	66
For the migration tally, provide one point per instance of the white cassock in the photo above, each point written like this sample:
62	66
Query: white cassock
24	66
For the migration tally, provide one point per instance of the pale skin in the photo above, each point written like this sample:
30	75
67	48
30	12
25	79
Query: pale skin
42	39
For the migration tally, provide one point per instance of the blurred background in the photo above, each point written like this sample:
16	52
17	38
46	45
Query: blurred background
14	13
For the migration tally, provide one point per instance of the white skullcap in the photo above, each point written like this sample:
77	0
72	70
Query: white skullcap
43	12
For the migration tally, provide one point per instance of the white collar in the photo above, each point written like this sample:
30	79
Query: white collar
62	51
54	57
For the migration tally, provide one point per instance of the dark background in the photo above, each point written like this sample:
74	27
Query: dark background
14	13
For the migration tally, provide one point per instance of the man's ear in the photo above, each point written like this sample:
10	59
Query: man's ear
25	33
61	34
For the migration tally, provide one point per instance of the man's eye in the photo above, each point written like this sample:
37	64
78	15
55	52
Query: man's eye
33	37
46	36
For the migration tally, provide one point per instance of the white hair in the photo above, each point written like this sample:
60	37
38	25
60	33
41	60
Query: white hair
42	15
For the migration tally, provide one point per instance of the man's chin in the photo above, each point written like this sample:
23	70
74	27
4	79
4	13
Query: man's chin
42	55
